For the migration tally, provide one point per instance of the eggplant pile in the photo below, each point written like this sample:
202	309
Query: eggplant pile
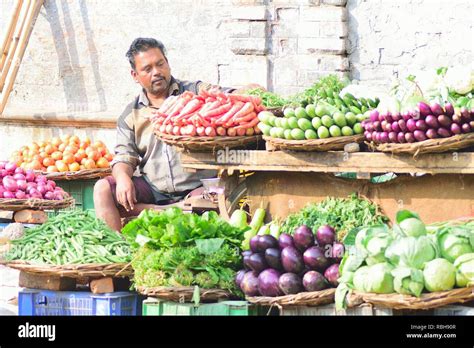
306	261
425	122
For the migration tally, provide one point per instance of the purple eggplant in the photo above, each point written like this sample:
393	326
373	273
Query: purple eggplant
273	258
239	276
314	281
315	259
337	251
249	283
332	274
457	119
257	262
290	283
325	235
267	241
292	260
303	237
245	257
254	245
285	240
268	283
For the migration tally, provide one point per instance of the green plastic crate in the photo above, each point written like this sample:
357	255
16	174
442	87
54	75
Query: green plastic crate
81	190
154	307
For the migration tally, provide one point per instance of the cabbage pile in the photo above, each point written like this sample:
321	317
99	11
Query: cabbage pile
407	259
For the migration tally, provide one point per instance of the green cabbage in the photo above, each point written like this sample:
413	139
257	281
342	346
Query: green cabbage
377	279
439	275
455	241
412	252
464	265
408	281
373	241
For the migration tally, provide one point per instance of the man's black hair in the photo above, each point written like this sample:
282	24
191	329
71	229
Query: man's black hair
143	44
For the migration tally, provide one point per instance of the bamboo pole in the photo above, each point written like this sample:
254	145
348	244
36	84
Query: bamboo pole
15	41
9	33
32	15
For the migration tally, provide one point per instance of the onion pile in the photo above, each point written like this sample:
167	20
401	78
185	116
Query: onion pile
15	182
426	122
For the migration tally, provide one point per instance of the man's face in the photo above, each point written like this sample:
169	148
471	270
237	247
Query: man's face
152	72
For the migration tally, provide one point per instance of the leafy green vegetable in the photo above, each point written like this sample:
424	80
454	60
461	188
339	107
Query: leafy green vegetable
408	281
412	251
184	249
373	241
269	99
465	270
439	275
343	214
456	241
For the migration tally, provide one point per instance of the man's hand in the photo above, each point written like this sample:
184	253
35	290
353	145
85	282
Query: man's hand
125	190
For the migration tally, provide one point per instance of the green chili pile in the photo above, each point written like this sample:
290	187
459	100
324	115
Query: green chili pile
75	237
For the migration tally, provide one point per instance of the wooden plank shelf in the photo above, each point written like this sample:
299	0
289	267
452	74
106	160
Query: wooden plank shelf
331	162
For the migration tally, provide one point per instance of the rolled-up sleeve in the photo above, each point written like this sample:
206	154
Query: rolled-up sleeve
126	150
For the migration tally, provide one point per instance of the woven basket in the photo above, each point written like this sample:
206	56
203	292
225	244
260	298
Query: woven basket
455	142
313	298
209	144
185	293
425	301
336	143
37	204
92	270
85	174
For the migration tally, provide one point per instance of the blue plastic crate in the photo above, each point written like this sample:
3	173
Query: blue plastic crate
70	303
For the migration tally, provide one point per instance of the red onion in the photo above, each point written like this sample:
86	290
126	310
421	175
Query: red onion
41	178
401	137
3	173
49	195
8	194
2	164
41	189
36	194
30	175
20	194
466	128
19	176
10	167
19	170
411	125
22	185
52	183
10	184
374	115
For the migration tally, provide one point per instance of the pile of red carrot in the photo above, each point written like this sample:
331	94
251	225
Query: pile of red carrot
210	113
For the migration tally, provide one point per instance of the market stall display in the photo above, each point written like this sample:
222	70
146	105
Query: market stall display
175	251
20	189
73	244
209	120
68	157
423	266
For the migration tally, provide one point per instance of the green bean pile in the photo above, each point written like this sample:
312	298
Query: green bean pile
74	237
